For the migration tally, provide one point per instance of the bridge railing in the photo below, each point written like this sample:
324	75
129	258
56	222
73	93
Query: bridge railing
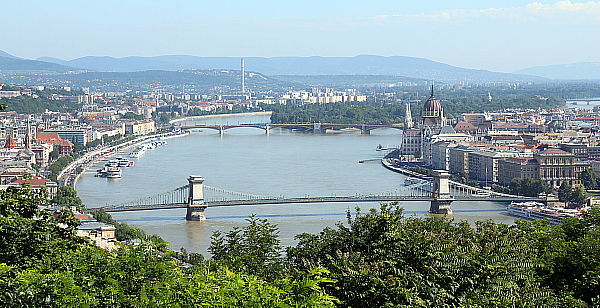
480	192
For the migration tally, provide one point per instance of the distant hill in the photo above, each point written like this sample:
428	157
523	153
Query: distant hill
21	66
345	80
7	55
582	70
200	79
359	65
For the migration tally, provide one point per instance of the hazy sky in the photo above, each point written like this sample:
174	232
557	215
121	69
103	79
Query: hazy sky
493	35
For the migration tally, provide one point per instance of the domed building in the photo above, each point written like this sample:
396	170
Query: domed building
432	119
432	114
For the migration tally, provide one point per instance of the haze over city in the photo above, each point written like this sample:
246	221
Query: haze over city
480	35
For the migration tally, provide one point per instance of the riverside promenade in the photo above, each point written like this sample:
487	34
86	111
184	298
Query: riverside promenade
69	176
391	164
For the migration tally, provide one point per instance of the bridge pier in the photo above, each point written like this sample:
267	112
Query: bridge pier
317	128
195	206
221	130
267	129
364	130
441	193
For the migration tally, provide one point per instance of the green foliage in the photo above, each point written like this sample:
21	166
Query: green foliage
123	231
463	178
421	170
77	146
343	113
564	192
589	178
54	154
27	234
383	259
527	187
387	111
141	277
569	194
253	249
133	116
56	167
66	196
379	259
579	195
29	104
569	254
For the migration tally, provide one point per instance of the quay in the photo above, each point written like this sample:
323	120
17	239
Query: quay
68	176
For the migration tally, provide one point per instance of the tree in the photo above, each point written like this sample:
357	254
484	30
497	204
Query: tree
564	192
133	116
253	249
589	178
77	146
54	154
579	195
383	259
29	235
66	196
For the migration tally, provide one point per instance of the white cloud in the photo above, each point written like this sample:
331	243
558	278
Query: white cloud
562	12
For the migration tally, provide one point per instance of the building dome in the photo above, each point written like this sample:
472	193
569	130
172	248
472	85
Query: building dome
433	112
432	107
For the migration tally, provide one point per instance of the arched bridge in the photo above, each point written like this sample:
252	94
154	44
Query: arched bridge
196	197
309	127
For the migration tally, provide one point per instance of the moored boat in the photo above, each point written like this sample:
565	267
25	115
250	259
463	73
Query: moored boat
531	210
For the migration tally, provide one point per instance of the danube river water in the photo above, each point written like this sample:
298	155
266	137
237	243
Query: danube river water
284	163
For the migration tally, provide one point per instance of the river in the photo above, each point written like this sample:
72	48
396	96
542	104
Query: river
283	163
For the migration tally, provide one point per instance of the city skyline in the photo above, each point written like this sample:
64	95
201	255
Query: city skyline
483	35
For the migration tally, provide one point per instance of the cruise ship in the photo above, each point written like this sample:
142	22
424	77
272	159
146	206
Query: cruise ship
137	153
535	210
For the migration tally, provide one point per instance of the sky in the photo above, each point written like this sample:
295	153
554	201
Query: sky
500	36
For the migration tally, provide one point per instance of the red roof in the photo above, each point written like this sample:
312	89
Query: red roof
464	126
35	181
554	151
52	138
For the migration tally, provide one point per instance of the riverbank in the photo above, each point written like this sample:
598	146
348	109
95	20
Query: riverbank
390	163
208	116
68	176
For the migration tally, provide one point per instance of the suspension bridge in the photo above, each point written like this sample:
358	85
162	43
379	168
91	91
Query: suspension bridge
196	197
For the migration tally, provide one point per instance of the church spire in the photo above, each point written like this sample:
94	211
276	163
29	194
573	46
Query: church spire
408	123
432	89
28	137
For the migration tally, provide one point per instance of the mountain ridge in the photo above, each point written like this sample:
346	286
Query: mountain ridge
316	65
580	70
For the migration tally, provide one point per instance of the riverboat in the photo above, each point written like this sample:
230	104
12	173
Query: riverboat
531	210
411	181
381	148
113	172
428	187
122	162
137	153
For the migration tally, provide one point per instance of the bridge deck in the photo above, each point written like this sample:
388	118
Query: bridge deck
309	200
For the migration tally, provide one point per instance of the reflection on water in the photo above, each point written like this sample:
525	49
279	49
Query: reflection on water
247	160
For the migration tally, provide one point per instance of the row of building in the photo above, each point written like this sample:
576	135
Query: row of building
552	145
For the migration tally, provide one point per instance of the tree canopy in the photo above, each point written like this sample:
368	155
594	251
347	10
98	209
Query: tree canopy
376	259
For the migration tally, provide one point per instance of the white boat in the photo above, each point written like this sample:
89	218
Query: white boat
123	162
411	181
137	153
381	148
113	172
535	210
